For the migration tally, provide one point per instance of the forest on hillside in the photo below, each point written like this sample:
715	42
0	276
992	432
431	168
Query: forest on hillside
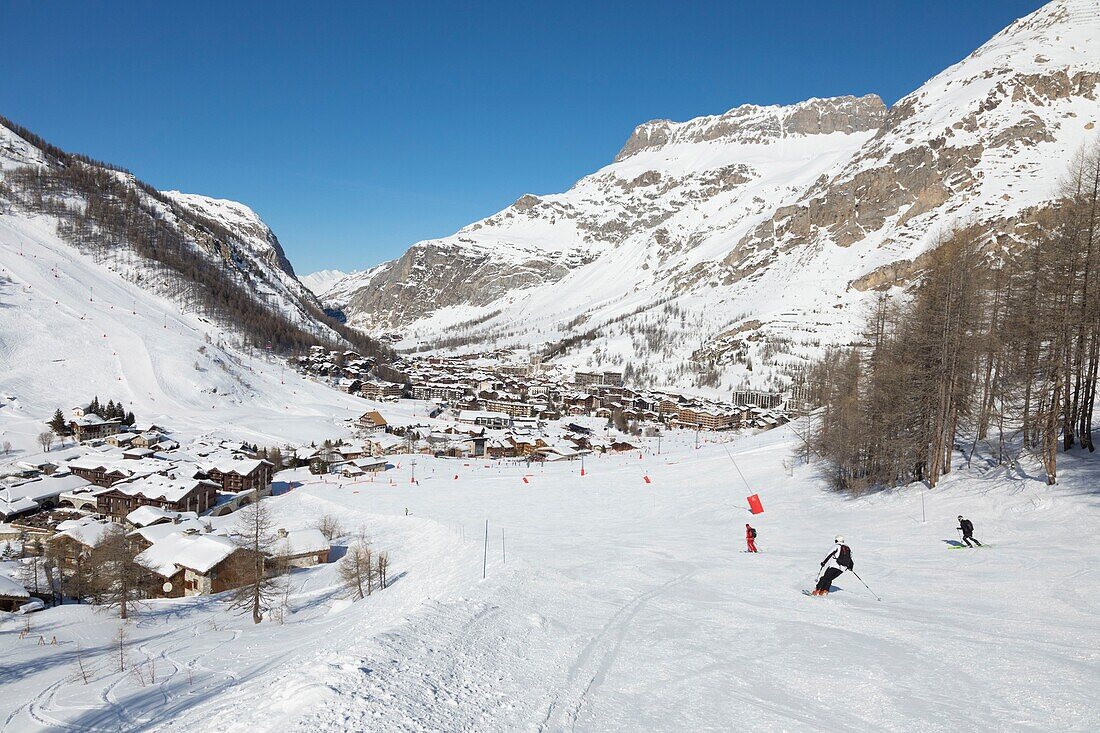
993	348
187	257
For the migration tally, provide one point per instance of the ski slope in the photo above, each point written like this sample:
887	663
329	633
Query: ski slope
71	329
628	606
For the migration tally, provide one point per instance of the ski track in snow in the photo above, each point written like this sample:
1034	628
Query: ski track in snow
623	606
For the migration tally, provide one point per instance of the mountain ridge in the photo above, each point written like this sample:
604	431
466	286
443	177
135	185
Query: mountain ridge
760	214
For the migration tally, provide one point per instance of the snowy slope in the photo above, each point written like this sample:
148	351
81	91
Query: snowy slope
321	281
214	234
752	238
627	606
95	316
71	329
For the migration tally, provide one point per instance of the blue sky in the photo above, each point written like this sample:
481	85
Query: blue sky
356	129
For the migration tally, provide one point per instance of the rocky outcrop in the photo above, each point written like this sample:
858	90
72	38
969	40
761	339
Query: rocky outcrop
752	123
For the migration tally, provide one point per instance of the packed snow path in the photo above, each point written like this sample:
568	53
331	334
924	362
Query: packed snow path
631	606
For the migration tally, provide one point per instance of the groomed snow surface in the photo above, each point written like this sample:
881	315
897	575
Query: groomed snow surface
621	605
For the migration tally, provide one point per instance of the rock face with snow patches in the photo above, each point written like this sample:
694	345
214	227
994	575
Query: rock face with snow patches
752	238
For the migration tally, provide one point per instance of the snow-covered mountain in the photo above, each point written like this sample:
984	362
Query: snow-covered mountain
321	281
162	300
749	240
212	256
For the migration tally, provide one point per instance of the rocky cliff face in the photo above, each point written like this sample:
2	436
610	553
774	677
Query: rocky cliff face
750	123
779	217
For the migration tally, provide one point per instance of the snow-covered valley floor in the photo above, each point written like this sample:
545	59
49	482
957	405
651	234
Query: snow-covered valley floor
622	605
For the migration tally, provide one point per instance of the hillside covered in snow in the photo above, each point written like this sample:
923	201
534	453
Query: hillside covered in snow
615	604
174	304
727	249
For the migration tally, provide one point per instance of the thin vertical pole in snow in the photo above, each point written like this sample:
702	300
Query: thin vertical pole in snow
485	554
923	516
503	551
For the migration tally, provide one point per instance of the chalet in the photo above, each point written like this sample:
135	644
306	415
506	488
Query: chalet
496	448
360	466
99	474
349	384
323	461
120	440
381	391
195	564
372	422
107	470
351	451
236	475
168	493
708	419
12	594
386	444
300	548
668	406
76	538
91	426
146	439
558	452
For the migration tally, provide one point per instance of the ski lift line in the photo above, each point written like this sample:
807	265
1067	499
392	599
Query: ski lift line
738	468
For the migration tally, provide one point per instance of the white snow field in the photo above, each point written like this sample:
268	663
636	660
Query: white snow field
71	329
622	605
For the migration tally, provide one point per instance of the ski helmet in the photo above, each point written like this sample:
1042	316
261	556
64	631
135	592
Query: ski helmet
839	540
960	516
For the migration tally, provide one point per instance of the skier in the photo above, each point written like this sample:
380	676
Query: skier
967	528
839	560
750	537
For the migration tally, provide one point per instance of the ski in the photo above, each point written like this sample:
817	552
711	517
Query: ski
964	547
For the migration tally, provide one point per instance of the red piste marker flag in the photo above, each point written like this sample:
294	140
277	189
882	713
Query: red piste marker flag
754	504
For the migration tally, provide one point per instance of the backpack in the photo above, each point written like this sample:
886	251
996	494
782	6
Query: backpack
844	558
752	533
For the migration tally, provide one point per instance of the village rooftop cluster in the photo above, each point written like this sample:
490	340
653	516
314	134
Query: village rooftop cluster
510	394
174	504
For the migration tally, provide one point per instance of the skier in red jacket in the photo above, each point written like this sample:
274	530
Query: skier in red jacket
750	537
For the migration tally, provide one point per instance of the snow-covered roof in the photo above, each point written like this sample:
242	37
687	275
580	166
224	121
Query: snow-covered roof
43	488
90	419
155	532
198	552
300	542
241	466
88	531
11	507
143	516
12	588
168	488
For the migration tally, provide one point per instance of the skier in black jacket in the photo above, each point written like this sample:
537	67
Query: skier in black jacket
967	528
839	560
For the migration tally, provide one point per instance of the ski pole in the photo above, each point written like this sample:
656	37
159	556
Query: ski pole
867	586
